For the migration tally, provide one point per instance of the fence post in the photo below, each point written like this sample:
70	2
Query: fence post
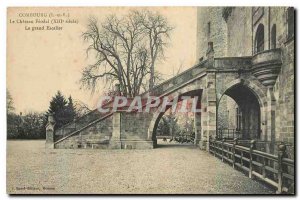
264	167
252	147
214	142
234	134
233	152
223	140
281	151
211	143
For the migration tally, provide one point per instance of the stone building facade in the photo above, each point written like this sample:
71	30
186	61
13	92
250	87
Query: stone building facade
244	80
211	28
251	31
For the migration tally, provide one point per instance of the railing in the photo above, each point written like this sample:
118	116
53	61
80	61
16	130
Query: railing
77	124
259	145
266	66
271	56
94	115
277	171
233	63
82	127
179	79
240	134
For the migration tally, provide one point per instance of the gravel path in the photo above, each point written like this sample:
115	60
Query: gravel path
166	170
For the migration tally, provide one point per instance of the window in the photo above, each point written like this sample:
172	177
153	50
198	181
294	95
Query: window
259	39
208	29
290	22
273	37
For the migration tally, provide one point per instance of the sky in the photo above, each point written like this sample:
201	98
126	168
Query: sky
39	63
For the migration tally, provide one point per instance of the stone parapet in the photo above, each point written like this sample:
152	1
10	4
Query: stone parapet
266	66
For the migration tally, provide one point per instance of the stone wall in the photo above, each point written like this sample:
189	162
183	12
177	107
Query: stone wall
218	31
242	25
261	17
227	113
133	125
233	37
283	89
284	86
130	130
95	136
239	37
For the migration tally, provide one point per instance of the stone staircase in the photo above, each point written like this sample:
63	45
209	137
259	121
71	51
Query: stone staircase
94	117
77	124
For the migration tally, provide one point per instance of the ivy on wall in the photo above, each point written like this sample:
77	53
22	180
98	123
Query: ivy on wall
226	12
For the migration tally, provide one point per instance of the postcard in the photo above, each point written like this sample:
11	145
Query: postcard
150	100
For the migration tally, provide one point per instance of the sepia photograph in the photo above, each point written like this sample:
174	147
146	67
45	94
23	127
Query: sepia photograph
151	100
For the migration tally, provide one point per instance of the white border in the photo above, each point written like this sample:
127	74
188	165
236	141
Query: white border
19	3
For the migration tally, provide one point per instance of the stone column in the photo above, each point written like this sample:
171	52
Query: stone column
270	112
50	132
197	127
115	141
209	111
211	106
204	119
208	102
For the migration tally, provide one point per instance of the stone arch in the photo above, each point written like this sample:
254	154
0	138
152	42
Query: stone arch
256	88
157	114
258	91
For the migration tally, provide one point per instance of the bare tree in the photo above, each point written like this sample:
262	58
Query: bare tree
126	50
81	108
158	30
157	79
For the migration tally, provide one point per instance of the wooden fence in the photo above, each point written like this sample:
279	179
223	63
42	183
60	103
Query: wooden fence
277	171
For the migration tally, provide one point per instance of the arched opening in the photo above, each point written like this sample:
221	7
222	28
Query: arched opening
259	38
238	114
178	128
290	22
273	37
